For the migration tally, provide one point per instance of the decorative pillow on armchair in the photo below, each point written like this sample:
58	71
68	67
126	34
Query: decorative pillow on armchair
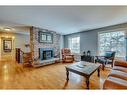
108	54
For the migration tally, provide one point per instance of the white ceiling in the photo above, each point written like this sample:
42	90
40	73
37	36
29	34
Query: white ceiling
63	19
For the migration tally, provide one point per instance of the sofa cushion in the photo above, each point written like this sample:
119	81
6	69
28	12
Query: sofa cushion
120	63
124	69
115	83
118	74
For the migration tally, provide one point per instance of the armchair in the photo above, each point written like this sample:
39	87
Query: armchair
66	55
107	59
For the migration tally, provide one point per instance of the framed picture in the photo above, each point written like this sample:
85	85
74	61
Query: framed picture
7	45
44	37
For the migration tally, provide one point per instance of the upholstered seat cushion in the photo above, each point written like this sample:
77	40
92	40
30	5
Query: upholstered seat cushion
118	74
115	83
101	60
120	63
68	57
124	69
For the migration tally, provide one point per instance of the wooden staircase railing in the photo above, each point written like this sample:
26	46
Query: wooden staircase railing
22	57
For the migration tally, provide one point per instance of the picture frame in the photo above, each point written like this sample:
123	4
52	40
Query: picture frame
45	37
7	45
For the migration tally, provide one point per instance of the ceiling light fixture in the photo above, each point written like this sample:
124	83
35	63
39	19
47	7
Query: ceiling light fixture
7	29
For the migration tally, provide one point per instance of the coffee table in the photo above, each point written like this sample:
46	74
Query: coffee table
83	68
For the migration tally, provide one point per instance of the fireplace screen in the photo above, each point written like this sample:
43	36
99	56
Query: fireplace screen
46	53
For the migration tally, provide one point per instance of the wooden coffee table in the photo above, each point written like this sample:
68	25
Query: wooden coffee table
83	68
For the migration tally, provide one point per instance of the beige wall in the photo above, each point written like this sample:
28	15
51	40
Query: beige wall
6	36
21	40
0	47
18	41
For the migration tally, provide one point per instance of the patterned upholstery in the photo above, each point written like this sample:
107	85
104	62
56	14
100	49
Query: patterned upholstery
66	55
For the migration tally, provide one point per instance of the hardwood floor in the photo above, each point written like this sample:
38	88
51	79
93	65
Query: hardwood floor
15	76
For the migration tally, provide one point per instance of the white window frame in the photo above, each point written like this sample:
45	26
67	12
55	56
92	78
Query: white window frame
115	30
71	47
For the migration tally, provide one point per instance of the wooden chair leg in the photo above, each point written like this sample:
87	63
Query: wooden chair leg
112	65
103	66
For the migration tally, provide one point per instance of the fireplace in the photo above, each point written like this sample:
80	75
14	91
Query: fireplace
46	53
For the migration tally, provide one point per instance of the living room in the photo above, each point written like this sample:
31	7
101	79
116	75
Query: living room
41	49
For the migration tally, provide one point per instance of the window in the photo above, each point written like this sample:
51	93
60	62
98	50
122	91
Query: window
112	41
74	44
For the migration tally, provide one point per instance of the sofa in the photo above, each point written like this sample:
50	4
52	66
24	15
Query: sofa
117	79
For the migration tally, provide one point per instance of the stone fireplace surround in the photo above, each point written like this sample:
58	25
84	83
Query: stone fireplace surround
36	45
